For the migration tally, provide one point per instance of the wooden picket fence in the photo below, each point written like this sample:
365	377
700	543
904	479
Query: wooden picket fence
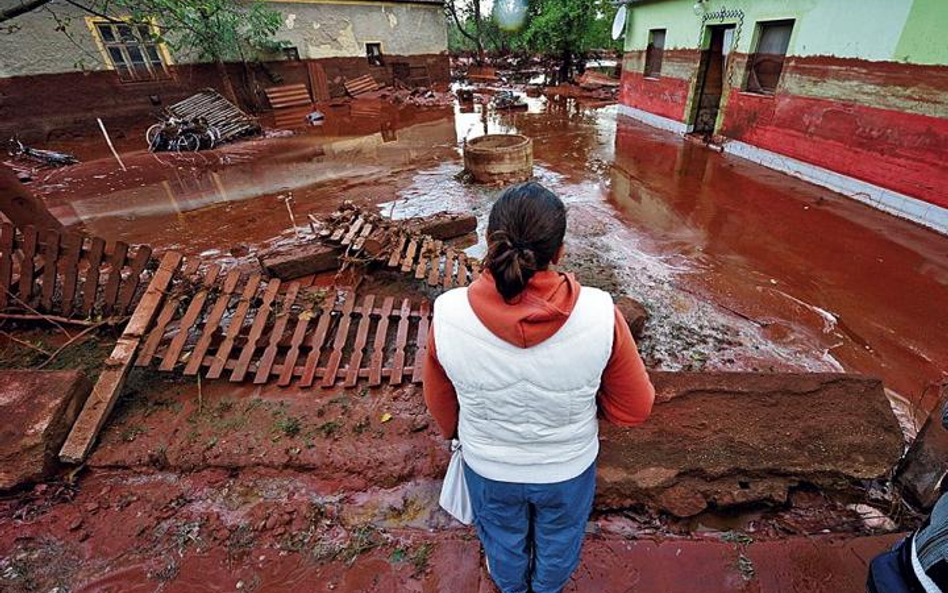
69	274
251	329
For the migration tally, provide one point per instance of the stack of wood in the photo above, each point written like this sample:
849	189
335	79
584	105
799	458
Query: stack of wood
354	236
361	85
208	105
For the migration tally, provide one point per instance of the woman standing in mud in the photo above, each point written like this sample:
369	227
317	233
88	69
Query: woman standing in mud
518	364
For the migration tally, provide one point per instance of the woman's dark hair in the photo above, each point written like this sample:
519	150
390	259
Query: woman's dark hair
525	229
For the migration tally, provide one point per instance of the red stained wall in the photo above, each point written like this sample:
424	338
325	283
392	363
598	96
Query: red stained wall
665	96
900	151
887	146
53	107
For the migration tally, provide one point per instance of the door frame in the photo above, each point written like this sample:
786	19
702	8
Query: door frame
697	87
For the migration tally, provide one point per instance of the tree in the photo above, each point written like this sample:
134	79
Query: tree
568	29
211	30
469	23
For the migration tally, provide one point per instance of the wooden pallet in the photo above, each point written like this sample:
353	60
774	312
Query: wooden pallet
420	256
290	95
69	274
229	120
250	329
361	85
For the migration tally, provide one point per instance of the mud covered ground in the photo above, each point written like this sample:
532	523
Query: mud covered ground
217	487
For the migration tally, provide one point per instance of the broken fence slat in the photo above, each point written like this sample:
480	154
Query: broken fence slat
116	263
213	321
421	341
109	384
276	334
296	340
72	245
353	230
448	270
90	285
256	330
409	260
50	261
28	265
462	269
234	327
397	254
190	317
362	336
422	268
381	336
318	340
342	336
168	310
401	339
7	233
434	276
130	284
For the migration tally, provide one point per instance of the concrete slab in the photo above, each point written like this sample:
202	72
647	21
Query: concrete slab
635	315
723	439
302	259
38	409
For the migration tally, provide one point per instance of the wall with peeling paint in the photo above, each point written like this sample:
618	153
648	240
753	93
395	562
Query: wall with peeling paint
60	40
863	92
320	30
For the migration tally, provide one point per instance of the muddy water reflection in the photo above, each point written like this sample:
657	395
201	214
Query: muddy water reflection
742	268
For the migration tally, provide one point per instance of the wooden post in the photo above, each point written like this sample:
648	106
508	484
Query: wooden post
109	386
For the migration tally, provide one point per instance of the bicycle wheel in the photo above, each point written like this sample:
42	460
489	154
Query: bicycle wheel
189	143
153	136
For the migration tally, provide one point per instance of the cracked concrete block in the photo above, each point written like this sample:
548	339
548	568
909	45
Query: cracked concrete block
443	225
298	260
925	467
724	439
38	409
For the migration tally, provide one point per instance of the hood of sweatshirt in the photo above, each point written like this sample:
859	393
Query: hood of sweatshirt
535	315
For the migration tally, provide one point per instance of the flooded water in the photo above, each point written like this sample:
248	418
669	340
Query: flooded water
740	267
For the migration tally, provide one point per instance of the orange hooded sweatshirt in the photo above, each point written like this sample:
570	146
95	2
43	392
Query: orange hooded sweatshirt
625	394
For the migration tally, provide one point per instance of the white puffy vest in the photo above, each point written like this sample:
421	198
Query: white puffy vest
527	415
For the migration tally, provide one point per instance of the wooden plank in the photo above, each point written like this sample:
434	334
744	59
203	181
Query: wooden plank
408	261
434	277
134	278
397	254
318	82
188	319
319	338
299	332
28	265
353	230
381	335
401	339
475	269
362	337
260	319
72	247
462	269
276	334
422	267
90	285
50	261
212	323
116	263
360	241
168	310
7	234
237	322
448	280
342	336
109	384
421	341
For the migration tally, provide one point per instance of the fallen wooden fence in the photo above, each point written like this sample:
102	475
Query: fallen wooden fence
211	106
68	274
369	235
250	329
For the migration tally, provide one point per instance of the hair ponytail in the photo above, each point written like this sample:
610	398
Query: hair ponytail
525	230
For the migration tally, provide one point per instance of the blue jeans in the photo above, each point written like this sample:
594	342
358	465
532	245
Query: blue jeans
532	533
